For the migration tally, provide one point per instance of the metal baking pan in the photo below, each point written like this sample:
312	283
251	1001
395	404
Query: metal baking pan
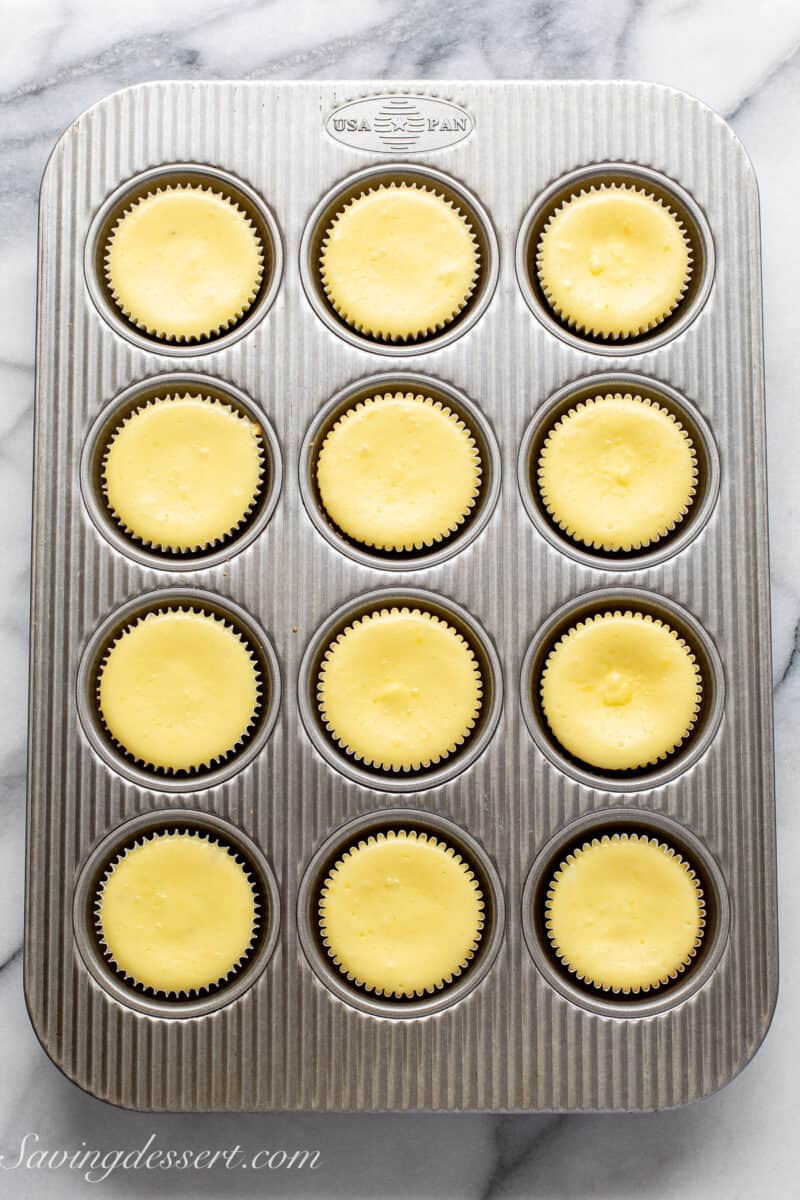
514	1032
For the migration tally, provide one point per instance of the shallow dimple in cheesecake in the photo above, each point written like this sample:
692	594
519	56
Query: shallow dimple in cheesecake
625	913
398	472
176	913
399	689
620	690
401	913
399	262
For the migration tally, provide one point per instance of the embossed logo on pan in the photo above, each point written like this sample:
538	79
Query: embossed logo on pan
388	124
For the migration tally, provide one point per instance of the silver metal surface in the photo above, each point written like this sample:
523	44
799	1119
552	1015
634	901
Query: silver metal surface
389	123
515	1032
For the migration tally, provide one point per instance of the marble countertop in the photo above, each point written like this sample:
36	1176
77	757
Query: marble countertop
744	60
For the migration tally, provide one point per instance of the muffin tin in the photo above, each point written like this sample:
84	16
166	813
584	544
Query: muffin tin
514	1031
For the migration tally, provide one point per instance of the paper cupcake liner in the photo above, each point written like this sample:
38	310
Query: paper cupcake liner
649	618
210	543
653	985
189	993
621	334
424	331
476	455
597	543
164	335
214	760
421	764
439	984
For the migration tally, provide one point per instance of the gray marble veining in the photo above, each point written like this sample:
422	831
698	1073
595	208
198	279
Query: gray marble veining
59	57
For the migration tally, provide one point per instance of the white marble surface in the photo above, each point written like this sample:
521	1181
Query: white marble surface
57	57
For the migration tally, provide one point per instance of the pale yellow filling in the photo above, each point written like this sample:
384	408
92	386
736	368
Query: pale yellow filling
183	472
398	472
617	472
399	689
178	690
625	913
401	914
620	691
613	261
184	262
399	262
177	913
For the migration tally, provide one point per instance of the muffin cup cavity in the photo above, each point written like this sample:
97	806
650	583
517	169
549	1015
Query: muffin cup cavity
429	537
622	328
218	768
659	609
328	889
586	408
196	545
369	829
100	865
237	218
243	199
361	624
137	398
371	180
142	626
463	754
431	391
130	977
664	192
574	858
409	331
601	622
706	470
687	849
